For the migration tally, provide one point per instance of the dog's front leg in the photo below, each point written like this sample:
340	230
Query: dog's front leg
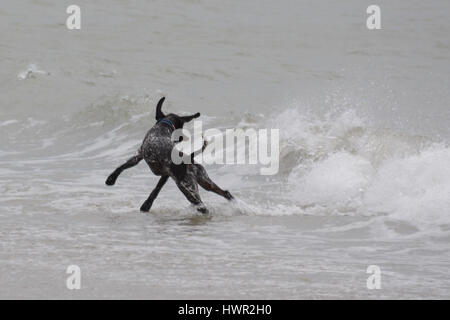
148	203
130	163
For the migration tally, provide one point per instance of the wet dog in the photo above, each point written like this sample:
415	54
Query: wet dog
156	150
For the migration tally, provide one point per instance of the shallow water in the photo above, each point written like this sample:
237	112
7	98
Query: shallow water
363	172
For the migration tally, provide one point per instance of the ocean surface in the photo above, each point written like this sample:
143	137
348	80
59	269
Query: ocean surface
364	165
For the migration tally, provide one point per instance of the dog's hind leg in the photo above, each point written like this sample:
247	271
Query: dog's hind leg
190	191
148	203
130	163
206	183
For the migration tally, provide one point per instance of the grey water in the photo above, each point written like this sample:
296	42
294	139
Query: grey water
364	175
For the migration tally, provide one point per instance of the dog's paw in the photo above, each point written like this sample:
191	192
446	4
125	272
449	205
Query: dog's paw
228	195
145	207
111	180
202	210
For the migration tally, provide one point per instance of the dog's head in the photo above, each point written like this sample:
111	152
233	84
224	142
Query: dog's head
178	121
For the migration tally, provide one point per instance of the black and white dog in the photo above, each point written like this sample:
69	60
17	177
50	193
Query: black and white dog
157	148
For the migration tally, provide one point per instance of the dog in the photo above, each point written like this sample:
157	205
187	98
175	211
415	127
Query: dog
156	150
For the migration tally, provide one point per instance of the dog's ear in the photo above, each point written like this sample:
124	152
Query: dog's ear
189	118
159	114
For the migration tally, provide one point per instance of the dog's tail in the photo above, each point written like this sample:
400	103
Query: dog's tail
196	153
159	114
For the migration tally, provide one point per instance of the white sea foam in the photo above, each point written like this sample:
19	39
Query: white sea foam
31	72
347	167
415	188
8	122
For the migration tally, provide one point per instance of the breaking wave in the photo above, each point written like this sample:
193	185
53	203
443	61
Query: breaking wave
340	165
